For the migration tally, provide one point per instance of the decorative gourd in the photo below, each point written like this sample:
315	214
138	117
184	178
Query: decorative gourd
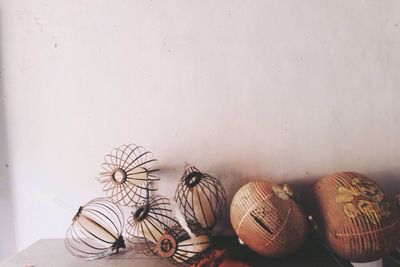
267	220
355	217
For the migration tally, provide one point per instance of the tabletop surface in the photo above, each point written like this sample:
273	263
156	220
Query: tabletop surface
52	253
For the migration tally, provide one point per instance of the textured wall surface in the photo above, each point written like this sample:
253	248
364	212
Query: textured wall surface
287	90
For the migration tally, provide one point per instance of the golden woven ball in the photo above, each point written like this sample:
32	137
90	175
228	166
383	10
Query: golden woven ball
267	220
356	219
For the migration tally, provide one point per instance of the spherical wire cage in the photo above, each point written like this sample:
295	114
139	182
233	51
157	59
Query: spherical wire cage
183	247
96	230
153	229
148	222
128	174
200	197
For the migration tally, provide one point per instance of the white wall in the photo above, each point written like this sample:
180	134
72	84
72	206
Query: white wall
289	90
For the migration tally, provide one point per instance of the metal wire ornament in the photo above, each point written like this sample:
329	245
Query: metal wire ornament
96	230
148	222
181	247
153	230
200	197
128	174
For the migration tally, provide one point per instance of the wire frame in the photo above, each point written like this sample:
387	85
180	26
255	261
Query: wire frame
395	255
128	174
200	197
96	230
183	248
148	222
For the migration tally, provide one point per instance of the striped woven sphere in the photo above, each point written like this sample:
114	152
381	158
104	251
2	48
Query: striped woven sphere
355	217
267	220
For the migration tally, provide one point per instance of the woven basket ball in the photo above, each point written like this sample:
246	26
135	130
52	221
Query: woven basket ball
267	220
356	219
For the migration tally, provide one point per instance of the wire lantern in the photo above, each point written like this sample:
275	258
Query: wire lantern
181	247
128	174
96	230
200	197
148	222
128	180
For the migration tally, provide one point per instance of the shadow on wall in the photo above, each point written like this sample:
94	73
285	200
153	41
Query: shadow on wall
7	222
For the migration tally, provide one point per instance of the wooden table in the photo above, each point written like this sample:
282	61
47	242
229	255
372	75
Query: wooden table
52	253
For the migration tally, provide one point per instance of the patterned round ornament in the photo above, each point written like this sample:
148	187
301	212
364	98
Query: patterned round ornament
355	217
267	220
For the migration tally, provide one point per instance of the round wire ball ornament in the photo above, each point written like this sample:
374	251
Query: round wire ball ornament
148	222
128	174
200	197
182	247
96	230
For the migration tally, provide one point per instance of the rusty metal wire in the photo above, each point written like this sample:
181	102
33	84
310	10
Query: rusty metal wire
96	230
128	175
200	197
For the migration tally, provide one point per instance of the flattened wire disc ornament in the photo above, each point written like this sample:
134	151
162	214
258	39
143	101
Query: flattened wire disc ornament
183	248
128	174
200	197
96	230
148	222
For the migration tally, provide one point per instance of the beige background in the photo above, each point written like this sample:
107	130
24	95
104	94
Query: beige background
288	90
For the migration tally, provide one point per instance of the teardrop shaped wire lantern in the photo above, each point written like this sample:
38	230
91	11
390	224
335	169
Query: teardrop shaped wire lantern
96	230
183	248
200	197
148	222
128	174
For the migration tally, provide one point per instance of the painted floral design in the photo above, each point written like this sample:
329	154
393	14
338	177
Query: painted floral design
363	198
